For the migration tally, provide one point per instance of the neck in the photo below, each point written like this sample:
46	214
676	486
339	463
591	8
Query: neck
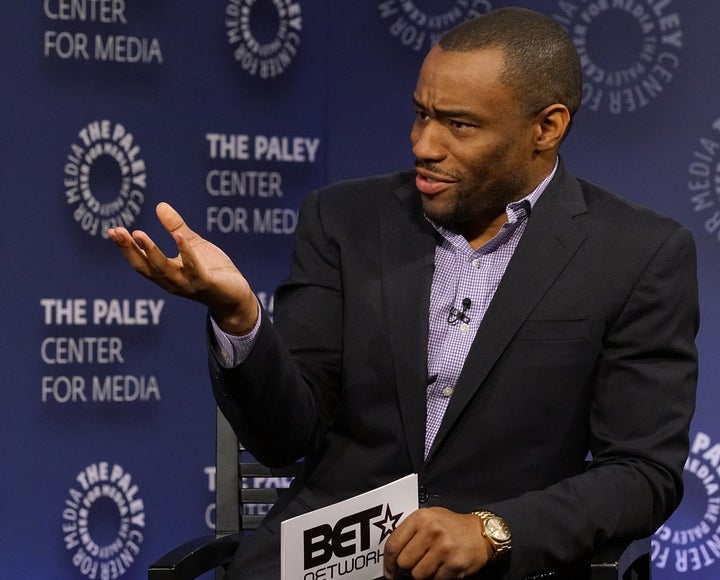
480	234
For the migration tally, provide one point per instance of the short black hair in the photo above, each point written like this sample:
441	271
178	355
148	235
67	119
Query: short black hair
542	66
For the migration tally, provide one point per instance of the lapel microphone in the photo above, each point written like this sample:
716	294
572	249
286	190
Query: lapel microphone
461	315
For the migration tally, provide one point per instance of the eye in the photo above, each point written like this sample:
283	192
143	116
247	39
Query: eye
422	115
461	125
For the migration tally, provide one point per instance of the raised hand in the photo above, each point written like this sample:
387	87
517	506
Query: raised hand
201	271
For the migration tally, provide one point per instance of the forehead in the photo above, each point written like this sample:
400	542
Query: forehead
449	78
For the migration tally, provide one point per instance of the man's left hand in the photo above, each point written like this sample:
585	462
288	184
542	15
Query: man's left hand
437	543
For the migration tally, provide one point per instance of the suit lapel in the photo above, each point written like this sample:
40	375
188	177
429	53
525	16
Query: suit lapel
407	254
550	240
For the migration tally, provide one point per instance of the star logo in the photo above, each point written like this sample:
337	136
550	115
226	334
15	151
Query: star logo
388	523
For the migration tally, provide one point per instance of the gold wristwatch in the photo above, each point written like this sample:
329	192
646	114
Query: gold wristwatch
497	533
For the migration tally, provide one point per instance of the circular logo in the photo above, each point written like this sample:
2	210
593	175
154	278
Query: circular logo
419	24
704	180
689	540
629	50
105	178
265	34
103	521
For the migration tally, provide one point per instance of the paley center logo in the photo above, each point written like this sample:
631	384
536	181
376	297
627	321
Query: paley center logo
704	180
690	540
419	24
103	521
629	50
264	34
105	178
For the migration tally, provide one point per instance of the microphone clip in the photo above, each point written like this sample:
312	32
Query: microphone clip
456	315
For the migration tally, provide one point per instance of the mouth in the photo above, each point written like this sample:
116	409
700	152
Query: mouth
430	183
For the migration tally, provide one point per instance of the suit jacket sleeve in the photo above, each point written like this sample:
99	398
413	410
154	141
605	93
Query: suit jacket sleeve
280	404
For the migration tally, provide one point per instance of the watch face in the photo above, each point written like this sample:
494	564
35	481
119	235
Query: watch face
497	530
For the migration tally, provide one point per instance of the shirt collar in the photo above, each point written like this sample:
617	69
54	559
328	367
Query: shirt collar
534	195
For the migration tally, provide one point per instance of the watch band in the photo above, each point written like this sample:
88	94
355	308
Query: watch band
497	533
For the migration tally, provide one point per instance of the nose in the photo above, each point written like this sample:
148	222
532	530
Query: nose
426	139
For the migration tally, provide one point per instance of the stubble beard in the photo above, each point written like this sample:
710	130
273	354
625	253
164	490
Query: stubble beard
476	204
483	197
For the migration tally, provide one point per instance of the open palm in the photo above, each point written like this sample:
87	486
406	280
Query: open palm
201	271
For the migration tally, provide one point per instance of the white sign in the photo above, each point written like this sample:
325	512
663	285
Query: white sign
347	538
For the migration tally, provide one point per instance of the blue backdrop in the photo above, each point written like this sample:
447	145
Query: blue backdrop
232	110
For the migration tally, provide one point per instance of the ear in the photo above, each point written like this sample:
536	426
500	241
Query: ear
552	124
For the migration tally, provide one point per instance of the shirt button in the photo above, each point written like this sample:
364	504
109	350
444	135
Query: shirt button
447	391
475	263
464	327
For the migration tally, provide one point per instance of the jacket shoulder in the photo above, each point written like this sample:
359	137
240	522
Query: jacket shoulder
623	212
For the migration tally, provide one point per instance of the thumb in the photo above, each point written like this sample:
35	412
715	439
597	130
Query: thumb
171	220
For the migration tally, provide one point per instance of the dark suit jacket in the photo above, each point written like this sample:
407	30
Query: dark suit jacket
588	346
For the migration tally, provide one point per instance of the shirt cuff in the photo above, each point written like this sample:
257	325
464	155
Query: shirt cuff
231	350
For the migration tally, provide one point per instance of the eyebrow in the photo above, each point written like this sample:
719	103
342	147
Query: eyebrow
445	113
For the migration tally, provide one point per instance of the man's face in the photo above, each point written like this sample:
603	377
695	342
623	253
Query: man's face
472	142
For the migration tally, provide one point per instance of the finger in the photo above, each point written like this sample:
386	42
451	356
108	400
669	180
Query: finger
130	249
185	275
394	546
181	233
120	236
154	256
172	221
186	252
429	567
185	238
416	558
439	563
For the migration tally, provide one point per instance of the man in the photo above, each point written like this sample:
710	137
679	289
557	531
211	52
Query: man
486	322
